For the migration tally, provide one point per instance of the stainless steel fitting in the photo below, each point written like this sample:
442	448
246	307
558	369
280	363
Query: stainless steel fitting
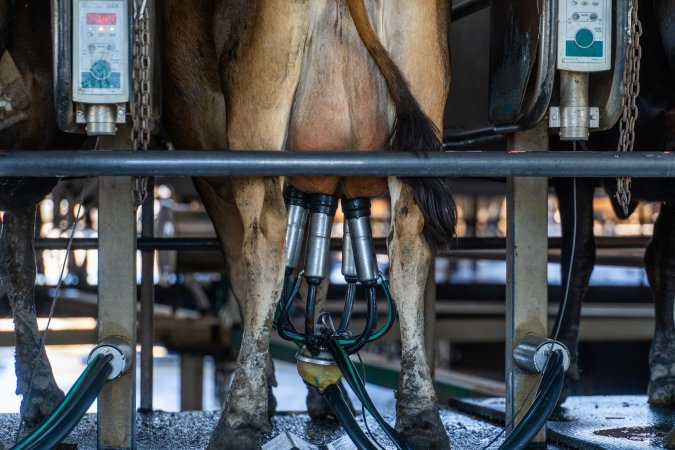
531	353
574	117
348	263
296	204
322	211
121	351
357	216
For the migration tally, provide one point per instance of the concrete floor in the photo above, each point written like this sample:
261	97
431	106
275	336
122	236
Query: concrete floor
191	430
611	423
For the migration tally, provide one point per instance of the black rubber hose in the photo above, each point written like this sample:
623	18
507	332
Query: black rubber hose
336	400
347	310
74	416
310	339
357	385
285	324
74	406
542	406
371	323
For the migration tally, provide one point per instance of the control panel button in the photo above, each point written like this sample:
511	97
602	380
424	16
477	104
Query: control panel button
101	69
584	38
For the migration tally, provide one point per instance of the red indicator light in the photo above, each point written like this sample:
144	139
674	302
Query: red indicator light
101	19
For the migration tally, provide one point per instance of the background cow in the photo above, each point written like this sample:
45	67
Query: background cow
655	131
27	121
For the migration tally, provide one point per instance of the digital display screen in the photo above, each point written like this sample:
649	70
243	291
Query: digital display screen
101	19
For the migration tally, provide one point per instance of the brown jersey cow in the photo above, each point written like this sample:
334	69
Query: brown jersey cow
313	75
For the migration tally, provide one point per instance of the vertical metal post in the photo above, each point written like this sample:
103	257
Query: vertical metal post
117	300
526	279
147	320
430	316
191	381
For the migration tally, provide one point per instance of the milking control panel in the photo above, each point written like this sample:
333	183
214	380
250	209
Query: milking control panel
101	51
585	35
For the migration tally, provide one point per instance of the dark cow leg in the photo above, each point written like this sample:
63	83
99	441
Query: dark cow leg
582	265
660	266
17	273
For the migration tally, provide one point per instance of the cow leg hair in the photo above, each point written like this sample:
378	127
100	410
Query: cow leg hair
417	417
660	267
261	210
582	267
17	274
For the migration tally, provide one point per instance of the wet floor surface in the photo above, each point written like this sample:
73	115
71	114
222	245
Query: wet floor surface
596	422
616	422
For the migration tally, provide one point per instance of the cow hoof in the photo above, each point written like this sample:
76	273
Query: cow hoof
669	439
227	438
423	430
41	405
318	407
571	378
661	392
271	402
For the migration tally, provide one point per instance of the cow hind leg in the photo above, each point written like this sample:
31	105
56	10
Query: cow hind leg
660	266
17	274
260	207
417	416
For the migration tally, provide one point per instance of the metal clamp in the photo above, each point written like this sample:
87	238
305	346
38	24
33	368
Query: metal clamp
121	352
531	353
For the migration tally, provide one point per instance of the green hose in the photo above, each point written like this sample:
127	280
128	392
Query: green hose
68	401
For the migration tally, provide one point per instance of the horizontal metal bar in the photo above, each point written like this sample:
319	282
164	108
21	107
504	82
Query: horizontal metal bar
468	7
401	164
211	244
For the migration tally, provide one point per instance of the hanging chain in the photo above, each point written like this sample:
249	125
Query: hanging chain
631	83
140	109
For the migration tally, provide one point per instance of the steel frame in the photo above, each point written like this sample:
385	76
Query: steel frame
519	166
517	163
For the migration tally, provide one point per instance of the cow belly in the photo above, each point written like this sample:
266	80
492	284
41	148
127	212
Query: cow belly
341	102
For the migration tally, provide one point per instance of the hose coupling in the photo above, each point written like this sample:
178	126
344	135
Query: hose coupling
531	353
321	213
357	216
121	351
296	205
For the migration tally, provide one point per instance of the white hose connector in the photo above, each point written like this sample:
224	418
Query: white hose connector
121	352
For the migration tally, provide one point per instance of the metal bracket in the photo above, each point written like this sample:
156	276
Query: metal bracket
568	116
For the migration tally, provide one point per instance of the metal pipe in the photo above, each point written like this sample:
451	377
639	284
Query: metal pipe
575	117
211	244
147	293
468	7
401	164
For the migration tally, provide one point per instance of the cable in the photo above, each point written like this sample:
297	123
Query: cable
72	408
334	396
371	323
363	408
347	310
542	406
354	380
563	306
57	291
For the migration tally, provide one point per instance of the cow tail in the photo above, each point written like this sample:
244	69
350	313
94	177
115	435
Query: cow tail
413	131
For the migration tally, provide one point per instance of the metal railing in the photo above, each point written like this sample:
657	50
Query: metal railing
379	164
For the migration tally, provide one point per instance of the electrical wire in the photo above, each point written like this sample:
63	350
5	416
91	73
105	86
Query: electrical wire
363	408
563	307
57	291
336	399
71	409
